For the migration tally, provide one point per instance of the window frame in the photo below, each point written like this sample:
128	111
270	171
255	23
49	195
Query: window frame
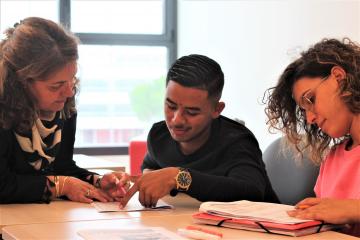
167	39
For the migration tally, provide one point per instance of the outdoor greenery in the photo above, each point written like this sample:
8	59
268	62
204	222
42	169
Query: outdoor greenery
147	100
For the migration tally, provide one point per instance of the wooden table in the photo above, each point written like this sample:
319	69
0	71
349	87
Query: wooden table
68	230
62	220
67	211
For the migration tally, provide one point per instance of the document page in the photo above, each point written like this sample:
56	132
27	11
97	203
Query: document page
260	211
150	233
133	205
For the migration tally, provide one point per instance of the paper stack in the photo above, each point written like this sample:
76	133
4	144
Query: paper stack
257	216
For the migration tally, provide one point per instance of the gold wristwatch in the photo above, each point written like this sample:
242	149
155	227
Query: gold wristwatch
183	180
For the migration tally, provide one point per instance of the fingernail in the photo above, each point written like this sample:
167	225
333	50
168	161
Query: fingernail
292	213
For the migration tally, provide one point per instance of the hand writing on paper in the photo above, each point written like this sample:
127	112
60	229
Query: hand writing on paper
336	211
130	193
152	186
115	184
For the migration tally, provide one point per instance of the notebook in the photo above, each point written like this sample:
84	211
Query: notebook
257	216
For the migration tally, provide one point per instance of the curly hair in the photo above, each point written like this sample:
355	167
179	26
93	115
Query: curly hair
284	114
32	50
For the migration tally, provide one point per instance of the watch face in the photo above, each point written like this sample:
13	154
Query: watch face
184	179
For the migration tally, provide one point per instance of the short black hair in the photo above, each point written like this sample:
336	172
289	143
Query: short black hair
200	72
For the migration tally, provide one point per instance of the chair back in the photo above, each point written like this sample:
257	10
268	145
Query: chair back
137	151
291	179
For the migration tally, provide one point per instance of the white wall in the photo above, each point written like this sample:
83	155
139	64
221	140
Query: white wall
254	41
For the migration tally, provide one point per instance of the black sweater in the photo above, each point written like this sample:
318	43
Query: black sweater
19	181
228	167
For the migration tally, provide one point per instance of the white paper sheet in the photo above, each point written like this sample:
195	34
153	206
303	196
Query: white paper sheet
261	211
149	233
133	205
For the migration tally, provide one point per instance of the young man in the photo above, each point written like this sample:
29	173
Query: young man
196	150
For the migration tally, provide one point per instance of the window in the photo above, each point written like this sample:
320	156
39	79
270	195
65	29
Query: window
129	17
125	51
112	106
13	11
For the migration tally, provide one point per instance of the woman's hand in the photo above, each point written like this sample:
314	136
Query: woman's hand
80	191
336	211
115	184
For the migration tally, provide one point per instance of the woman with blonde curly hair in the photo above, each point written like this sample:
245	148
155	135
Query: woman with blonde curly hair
38	63
316	103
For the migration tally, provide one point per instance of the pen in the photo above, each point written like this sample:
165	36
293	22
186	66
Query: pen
195	234
204	230
121	188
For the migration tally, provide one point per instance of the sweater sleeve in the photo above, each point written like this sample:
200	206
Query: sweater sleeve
149	159
19	182
149	163
244	178
64	163
17	187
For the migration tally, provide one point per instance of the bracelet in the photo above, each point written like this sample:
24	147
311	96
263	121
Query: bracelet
57	186
63	184
98	182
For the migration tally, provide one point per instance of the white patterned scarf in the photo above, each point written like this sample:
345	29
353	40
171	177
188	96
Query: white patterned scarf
42	144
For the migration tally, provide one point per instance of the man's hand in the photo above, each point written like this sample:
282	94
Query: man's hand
336	211
152	186
130	193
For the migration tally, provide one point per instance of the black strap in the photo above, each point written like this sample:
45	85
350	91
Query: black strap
222	221
263	227
258	223
320	226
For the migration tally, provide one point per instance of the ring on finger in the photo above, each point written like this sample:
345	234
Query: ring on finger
88	191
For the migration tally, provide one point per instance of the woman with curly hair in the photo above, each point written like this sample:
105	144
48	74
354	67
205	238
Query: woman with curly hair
316	103
38	63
